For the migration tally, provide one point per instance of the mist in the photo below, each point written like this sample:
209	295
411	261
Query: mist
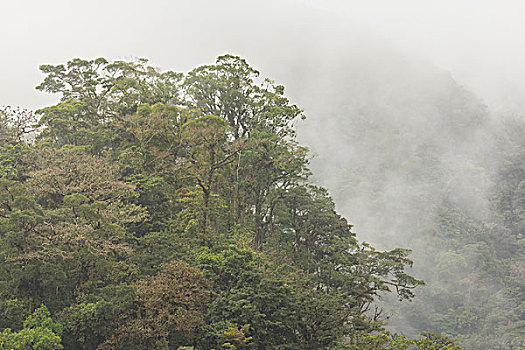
479	42
408	108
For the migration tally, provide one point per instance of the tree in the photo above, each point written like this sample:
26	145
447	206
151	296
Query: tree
260	116
263	304
169	306
17	125
39	333
109	89
227	89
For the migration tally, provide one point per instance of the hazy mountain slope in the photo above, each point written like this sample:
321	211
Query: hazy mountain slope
411	159
381	125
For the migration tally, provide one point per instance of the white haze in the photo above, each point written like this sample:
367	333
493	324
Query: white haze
482	43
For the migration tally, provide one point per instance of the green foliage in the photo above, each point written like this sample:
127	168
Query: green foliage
227	89
39	333
157	210
13	312
86	325
434	341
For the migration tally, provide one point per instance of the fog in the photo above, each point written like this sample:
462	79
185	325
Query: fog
402	99
480	42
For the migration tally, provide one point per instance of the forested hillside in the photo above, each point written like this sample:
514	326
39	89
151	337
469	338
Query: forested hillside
159	210
415	160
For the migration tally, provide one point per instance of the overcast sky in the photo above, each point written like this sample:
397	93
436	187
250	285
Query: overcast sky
482	43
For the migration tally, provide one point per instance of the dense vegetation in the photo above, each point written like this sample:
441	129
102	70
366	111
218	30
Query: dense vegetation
158	210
